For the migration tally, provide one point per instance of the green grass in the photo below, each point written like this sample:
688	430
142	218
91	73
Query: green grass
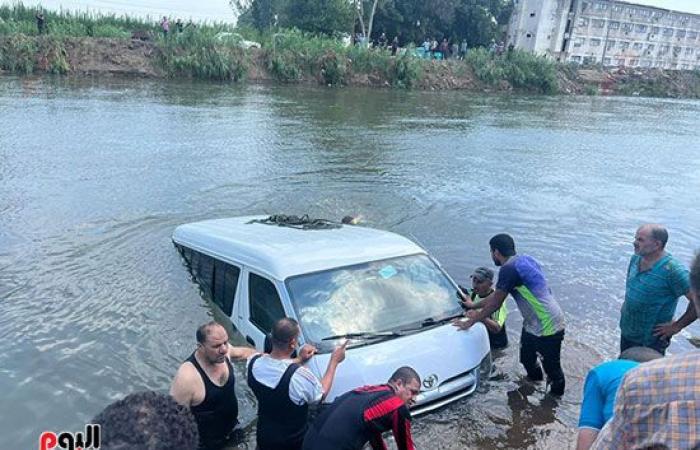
521	69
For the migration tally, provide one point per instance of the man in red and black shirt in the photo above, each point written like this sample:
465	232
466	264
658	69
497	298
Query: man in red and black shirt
362	415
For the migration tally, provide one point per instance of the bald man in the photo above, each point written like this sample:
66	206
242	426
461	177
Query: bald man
655	281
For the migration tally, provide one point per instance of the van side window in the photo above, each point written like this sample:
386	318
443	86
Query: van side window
265	305
205	274
225	284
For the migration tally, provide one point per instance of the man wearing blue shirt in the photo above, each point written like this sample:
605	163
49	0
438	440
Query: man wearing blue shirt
655	281
599	392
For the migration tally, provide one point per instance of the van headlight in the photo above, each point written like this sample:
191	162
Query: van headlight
485	367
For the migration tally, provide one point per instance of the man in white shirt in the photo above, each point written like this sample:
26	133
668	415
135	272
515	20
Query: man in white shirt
285	388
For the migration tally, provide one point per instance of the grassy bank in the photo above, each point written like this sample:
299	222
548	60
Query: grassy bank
97	44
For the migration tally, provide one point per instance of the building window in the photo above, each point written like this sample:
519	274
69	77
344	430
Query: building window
620	62
595	42
680	33
676	50
582	22
607	61
576	59
587	60
668	31
584	6
610	45
601	6
638	46
599	23
624	45
617	8
641	28
614	25
627	27
654	30
664	49
634	62
689	51
579	42
650	48
692	35
646	63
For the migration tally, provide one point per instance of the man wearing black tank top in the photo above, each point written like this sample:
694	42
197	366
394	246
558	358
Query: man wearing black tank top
205	383
285	389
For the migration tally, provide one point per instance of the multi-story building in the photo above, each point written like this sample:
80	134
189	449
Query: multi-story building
608	32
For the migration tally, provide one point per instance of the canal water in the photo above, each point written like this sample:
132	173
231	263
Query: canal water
94	175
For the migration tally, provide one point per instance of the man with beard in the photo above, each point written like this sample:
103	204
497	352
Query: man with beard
543	321
655	280
206	384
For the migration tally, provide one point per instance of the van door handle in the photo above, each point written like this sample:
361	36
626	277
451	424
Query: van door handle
250	341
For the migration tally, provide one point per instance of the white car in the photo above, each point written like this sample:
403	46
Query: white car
380	290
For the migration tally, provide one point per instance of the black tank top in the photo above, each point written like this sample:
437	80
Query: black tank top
217	415
281	423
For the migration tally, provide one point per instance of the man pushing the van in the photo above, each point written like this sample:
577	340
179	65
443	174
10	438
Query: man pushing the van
363	414
285	389
543	321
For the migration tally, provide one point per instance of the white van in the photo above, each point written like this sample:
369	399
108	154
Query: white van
378	289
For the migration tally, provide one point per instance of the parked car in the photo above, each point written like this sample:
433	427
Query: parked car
377	289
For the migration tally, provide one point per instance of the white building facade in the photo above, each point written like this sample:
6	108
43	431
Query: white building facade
608	32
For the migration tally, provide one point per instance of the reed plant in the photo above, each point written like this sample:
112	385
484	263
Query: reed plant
521	69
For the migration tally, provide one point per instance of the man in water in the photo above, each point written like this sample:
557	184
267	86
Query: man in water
599	392
655	280
206	384
482	287
658	402
285	389
543	321
362	415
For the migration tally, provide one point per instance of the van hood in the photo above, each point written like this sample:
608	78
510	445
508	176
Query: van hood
439	355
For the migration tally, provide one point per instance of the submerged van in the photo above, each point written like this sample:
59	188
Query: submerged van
382	292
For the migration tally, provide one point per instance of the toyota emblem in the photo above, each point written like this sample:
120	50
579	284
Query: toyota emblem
431	381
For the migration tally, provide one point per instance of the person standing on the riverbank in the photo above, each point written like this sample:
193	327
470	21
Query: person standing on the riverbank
463	48
543	321
655	281
165	26
206	384
599	392
285	389
394	45
40	22
657	403
482	287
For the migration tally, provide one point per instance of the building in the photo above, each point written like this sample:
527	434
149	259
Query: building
608	32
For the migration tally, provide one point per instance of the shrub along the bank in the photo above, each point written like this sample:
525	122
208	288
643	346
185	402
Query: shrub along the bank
521	69
203	54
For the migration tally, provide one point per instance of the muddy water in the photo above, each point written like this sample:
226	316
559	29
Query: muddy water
94	176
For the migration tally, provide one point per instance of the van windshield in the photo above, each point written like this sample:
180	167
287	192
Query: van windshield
372	297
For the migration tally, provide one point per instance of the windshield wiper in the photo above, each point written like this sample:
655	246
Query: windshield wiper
364	335
430	321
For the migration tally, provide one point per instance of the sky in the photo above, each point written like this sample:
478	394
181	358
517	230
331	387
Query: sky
219	10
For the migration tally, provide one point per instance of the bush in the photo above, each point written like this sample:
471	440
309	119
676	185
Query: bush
521	69
198	53
18	53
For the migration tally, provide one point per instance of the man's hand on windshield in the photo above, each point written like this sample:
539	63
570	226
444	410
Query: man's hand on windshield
338	354
306	352
462	324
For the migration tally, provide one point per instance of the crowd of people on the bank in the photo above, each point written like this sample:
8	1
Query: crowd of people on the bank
640	400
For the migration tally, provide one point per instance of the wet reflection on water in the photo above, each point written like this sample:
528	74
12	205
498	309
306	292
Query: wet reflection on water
94	176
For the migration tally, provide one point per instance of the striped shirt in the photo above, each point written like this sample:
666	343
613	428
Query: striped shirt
657	406
651	297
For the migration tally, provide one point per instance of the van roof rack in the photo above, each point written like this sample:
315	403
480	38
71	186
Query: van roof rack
301	223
